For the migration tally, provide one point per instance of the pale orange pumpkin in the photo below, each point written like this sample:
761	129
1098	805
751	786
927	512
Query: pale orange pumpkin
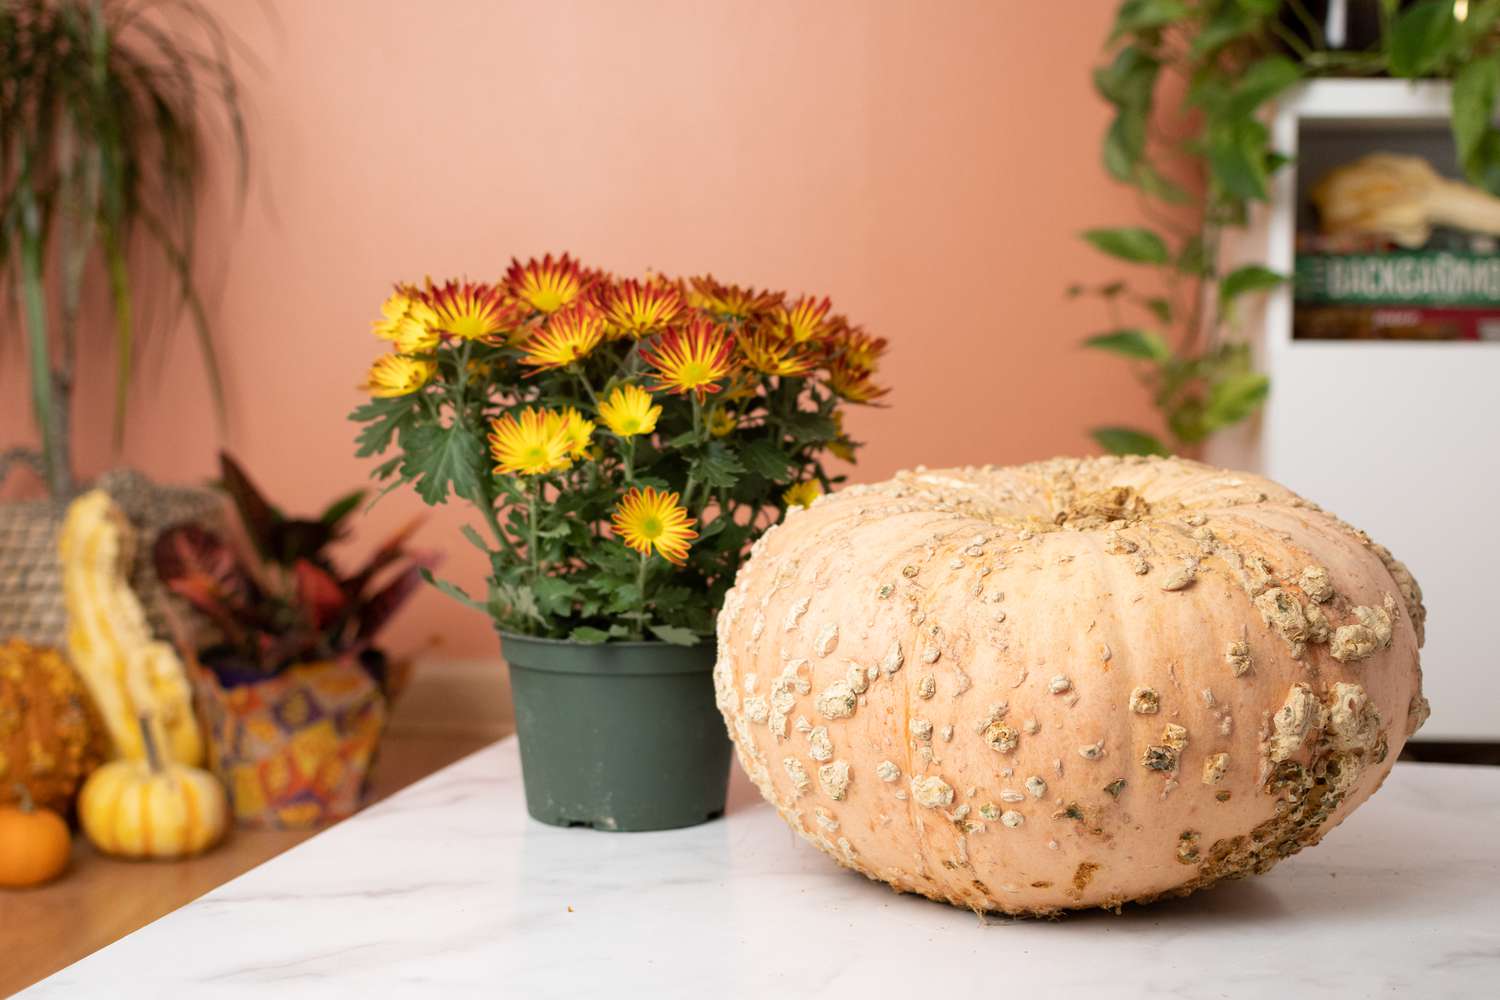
1067	684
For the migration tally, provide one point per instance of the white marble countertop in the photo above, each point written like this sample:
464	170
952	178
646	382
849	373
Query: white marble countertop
449	889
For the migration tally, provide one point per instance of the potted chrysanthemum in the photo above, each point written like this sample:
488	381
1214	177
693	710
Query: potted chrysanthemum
623	440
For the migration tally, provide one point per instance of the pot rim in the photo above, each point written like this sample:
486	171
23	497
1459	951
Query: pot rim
708	640
606	659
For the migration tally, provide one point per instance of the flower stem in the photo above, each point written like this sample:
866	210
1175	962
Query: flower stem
533	499
459	410
627	458
642	567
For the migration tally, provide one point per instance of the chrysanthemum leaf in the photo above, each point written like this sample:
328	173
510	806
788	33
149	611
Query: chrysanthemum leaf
768	460
383	419
676	635
806	427
717	467
442	458
452	590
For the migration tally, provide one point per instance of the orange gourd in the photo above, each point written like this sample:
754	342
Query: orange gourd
34	845
50	737
1068	684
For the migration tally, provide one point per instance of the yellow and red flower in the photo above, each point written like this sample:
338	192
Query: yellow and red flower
408	322
567	336
638	308
471	310
802	494
694	358
629	411
730	302
576	429
857	348
854	383
547	285
645	519
397	375
722	422
841	446
772	355
806	321
534	444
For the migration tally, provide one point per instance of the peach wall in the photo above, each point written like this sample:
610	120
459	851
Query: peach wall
928	165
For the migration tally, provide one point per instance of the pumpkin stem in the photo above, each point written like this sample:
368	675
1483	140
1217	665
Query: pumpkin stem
149	738
27	804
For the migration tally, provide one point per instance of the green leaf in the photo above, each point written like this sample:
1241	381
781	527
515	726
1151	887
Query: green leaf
1160	307
474	538
1261	82
1147	15
1124	144
442	458
1235	398
1227	23
383	419
1132	243
554	595
588	634
1129	79
1125	441
765	458
1237	156
676	635
341	508
717	467
1250	278
1421	37
452	590
1192	259
805	427
1473	112
1142	344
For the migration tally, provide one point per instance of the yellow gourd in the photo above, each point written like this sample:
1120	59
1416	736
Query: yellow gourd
152	808
128	671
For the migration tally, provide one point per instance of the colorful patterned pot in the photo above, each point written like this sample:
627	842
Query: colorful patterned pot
295	750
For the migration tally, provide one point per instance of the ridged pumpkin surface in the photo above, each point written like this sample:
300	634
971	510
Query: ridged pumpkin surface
1068	684
150	809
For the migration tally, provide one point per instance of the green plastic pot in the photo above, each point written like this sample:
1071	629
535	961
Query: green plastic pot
619	735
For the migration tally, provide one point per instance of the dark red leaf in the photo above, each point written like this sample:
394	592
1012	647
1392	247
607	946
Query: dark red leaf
195	564
388	600
321	597
391	550
260	518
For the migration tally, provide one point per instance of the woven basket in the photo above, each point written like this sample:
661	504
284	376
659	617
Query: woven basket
31	585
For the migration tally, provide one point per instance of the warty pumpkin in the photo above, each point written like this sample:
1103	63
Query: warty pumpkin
1068	684
129	672
50	738
152	807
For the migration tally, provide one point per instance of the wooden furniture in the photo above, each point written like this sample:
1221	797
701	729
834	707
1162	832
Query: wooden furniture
450	711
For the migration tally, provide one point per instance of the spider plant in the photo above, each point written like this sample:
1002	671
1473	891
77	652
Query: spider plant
103	111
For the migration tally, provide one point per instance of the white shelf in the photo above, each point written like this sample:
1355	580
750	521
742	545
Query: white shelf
1399	438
